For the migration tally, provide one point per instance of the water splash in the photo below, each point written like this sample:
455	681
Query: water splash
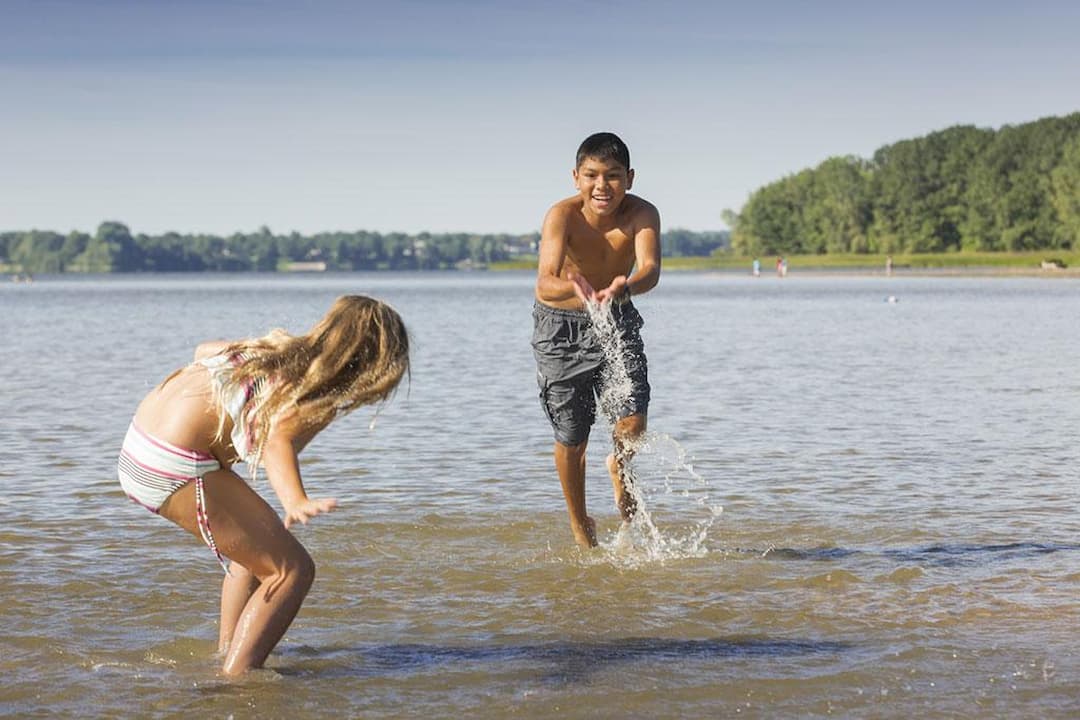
675	511
616	386
656	470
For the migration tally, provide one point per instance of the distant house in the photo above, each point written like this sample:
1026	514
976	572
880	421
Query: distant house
309	266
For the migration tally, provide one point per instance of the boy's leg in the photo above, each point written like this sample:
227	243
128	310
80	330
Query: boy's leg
248	531
570	464
628	429
625	435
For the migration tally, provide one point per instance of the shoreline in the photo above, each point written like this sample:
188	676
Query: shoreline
1060	264
670	265
959	271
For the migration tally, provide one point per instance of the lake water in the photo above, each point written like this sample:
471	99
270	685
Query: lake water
900	534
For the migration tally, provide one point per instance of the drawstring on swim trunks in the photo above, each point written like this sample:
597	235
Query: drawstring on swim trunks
202	519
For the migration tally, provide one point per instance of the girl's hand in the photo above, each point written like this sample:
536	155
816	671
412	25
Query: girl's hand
308	508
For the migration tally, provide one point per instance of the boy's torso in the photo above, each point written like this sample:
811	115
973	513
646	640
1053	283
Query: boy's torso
601	254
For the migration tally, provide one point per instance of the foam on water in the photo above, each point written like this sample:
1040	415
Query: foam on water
657	472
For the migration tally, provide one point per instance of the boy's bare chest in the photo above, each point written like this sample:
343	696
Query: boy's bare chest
591	246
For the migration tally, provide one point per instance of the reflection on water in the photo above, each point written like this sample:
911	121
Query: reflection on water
577	662
898	535
946	555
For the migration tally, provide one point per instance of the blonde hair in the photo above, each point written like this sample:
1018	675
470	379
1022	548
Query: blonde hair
356	355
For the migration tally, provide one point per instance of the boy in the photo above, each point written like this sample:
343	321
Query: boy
601	245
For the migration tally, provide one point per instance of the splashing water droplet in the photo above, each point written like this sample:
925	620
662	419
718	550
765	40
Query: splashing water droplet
655	469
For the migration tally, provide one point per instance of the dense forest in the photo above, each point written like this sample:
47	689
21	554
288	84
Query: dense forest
114	249
963	188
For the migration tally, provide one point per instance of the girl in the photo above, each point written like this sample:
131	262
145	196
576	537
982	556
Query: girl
260	401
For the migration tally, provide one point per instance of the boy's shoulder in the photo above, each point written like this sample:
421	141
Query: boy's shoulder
566	206
639	213
635	204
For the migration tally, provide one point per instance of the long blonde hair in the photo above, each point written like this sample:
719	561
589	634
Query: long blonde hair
356	355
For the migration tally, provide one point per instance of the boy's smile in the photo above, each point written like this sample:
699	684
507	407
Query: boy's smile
602	185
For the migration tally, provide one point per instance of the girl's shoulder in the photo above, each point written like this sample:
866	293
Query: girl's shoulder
210	349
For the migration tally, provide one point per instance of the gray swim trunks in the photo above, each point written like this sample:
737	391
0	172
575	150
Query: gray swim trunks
570	368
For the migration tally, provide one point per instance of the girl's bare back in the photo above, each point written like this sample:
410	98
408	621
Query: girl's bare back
181	411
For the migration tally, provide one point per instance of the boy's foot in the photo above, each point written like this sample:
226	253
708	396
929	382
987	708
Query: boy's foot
586	536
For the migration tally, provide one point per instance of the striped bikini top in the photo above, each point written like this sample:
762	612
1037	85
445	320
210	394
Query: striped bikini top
236	399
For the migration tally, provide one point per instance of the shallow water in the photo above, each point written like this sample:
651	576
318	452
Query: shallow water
899	534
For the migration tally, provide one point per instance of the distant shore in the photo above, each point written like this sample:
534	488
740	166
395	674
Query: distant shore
1064	264
1055	264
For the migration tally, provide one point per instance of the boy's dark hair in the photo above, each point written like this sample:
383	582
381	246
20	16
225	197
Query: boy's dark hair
604	146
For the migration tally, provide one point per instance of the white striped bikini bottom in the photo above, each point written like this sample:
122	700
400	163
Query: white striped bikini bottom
150	470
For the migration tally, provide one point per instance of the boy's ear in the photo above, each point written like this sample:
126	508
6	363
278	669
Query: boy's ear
630	178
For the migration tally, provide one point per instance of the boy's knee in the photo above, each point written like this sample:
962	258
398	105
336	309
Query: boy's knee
571	449
570	432
629	428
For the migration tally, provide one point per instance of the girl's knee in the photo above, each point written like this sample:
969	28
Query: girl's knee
308	569
293	573
289	560
300	567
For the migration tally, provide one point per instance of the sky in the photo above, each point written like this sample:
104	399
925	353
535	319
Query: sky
223	116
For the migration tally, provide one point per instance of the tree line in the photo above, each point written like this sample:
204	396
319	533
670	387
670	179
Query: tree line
113	248
962	188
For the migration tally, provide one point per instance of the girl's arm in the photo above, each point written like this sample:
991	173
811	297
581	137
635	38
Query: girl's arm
281	462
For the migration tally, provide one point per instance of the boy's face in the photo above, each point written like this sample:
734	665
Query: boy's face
602	184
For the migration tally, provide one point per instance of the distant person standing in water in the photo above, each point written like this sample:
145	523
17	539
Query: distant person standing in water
601	245
260	401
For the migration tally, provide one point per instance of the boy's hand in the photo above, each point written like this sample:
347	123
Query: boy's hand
308	508
582	288
618	289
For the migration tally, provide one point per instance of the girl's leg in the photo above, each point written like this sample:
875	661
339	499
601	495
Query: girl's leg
249	532
236	589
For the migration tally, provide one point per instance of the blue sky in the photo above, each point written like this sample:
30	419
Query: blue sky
463	116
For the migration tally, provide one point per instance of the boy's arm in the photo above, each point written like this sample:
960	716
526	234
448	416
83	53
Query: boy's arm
646	252
646	272
550	287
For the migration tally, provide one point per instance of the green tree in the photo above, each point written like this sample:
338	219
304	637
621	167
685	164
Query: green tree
836	213
771	221
110	249
38	251
1010	203
1065	194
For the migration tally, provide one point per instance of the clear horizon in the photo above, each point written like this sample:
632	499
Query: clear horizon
463	116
